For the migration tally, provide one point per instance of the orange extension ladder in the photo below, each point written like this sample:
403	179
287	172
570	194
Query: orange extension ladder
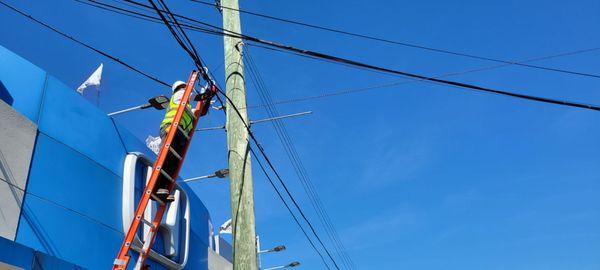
167	167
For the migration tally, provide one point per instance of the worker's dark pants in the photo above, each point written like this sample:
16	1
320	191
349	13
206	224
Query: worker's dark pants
171	162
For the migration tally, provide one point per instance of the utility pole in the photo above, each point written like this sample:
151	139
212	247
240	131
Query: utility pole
240	173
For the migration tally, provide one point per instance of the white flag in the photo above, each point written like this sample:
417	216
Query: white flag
226	227
93	80
153	143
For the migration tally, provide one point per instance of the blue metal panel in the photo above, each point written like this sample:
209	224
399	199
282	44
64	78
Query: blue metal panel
45	262
18	255
198	258
66	234
132	143
66	177
199	216
15	254
21	84
69	118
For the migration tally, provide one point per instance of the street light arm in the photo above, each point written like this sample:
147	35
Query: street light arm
280	117
128	110
276	267
290	265
222	173
158	102
199	178
260	120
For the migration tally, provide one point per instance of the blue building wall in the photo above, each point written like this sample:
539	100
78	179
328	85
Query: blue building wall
72	207
18	255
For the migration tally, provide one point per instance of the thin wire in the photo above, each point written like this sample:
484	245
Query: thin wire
436	80
92	48
405	44
393	71
272	167
387	85
201	67
294	158
85	45
262	168
268	177
515	95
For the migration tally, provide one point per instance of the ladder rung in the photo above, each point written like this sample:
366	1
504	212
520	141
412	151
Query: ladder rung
174	153
190	113
145	247
137	249
119	262
165	174
157	199
183	132
148	223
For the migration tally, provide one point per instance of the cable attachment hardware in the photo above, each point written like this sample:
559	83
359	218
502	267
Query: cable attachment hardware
206	96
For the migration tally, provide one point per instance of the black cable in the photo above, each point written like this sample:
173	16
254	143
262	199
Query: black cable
85	45
294	158
431	79
386	85
405	44
201	67
193	56
187	39
90	47
175	15
272	167
392	71
269	178
262	168
204	30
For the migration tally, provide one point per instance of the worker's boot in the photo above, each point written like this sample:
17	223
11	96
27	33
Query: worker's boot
161	192
164	195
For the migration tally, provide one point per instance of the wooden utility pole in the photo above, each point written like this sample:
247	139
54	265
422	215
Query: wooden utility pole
240	173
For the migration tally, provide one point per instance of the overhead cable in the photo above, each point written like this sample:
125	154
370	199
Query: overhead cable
117	60
85	44
193	54
295	160
326	94
401	43
220	31
540	99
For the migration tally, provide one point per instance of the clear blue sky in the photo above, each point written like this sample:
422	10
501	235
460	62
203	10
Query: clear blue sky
416	176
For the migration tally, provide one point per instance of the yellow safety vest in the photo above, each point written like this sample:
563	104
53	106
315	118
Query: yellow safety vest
186	120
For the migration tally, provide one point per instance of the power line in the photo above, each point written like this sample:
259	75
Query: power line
358	64
403	82
101	53
259	147
147	75
198	63
294	158
213	32
262	168
405	44
429	79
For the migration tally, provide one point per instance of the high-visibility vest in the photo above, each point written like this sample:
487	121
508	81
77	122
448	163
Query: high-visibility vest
186	120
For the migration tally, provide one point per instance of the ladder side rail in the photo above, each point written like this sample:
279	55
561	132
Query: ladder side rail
123	256
162	208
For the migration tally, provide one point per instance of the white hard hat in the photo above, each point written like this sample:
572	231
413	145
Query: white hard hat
177	84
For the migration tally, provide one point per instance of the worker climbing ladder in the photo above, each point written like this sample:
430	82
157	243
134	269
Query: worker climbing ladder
166	168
